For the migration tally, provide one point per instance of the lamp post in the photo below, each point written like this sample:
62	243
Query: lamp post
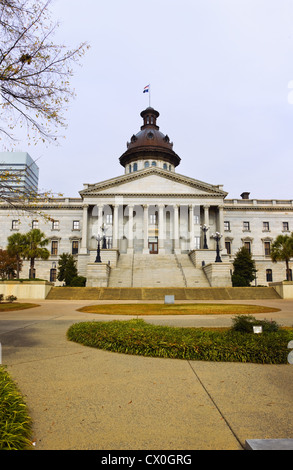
98	257
217	236
205	229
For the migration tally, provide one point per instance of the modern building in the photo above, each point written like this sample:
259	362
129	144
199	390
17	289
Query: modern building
154	226
22	173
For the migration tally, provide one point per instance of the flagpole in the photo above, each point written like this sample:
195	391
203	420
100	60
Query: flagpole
150	95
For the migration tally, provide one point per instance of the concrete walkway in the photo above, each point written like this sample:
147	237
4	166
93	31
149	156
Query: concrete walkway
82	398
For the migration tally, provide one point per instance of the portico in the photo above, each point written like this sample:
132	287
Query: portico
150	228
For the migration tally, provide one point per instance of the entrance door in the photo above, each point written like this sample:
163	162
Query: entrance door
153	245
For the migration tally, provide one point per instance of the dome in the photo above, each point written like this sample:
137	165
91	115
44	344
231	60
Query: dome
149	143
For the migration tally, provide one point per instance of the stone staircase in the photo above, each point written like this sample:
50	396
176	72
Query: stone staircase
194	277
121	275
140	270
158	293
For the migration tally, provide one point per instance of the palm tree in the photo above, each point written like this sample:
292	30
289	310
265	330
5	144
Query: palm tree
282	250
15	248
35	242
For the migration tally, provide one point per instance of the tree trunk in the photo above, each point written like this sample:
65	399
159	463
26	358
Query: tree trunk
32	266
288	277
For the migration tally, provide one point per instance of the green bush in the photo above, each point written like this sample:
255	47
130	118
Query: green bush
245	324
15	423
140	338
239	281
78	281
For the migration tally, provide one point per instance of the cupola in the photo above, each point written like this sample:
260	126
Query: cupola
149	147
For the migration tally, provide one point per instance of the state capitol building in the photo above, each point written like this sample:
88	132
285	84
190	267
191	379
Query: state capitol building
154	226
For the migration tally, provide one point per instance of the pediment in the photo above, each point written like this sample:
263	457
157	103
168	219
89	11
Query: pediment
153	181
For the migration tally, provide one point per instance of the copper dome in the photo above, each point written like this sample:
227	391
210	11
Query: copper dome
149	142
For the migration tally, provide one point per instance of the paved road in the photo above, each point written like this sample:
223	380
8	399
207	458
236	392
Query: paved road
82	398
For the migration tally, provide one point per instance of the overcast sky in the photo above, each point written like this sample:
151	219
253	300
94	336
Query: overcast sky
220	74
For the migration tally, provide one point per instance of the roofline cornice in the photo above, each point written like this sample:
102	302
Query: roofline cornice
149	171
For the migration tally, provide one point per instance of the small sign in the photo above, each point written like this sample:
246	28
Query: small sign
257	329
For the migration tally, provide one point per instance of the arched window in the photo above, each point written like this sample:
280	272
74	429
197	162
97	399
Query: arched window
146	164
135	167
130	169
53	275
269	275
154	163
165	166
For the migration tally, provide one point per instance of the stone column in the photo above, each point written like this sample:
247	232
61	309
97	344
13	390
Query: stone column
206	219
100	219
191	227
162	230
115	226
176	229
206	222
130	229
146	229
83	247
221	225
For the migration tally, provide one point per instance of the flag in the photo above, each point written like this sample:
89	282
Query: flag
146	89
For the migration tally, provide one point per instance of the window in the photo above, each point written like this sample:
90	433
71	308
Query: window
153	219
55	225
196	243
247	245
14	225
165	166
196	219
75	247
246	226
266	226
269	275
109	219
54	247
53	275
35	224
75	225
154	163
228	247
130	169
285	226
267	246
227	226
135	167
146	164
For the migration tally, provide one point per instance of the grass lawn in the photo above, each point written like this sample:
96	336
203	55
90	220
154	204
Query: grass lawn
10	306
177	309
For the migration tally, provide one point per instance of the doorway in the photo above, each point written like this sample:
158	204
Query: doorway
153	245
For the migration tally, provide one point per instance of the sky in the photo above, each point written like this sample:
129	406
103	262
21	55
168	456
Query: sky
221	77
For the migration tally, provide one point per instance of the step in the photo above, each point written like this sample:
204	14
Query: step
209	293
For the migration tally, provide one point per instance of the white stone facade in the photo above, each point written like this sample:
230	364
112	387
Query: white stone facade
152	210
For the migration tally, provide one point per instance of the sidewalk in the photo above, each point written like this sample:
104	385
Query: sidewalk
83	398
